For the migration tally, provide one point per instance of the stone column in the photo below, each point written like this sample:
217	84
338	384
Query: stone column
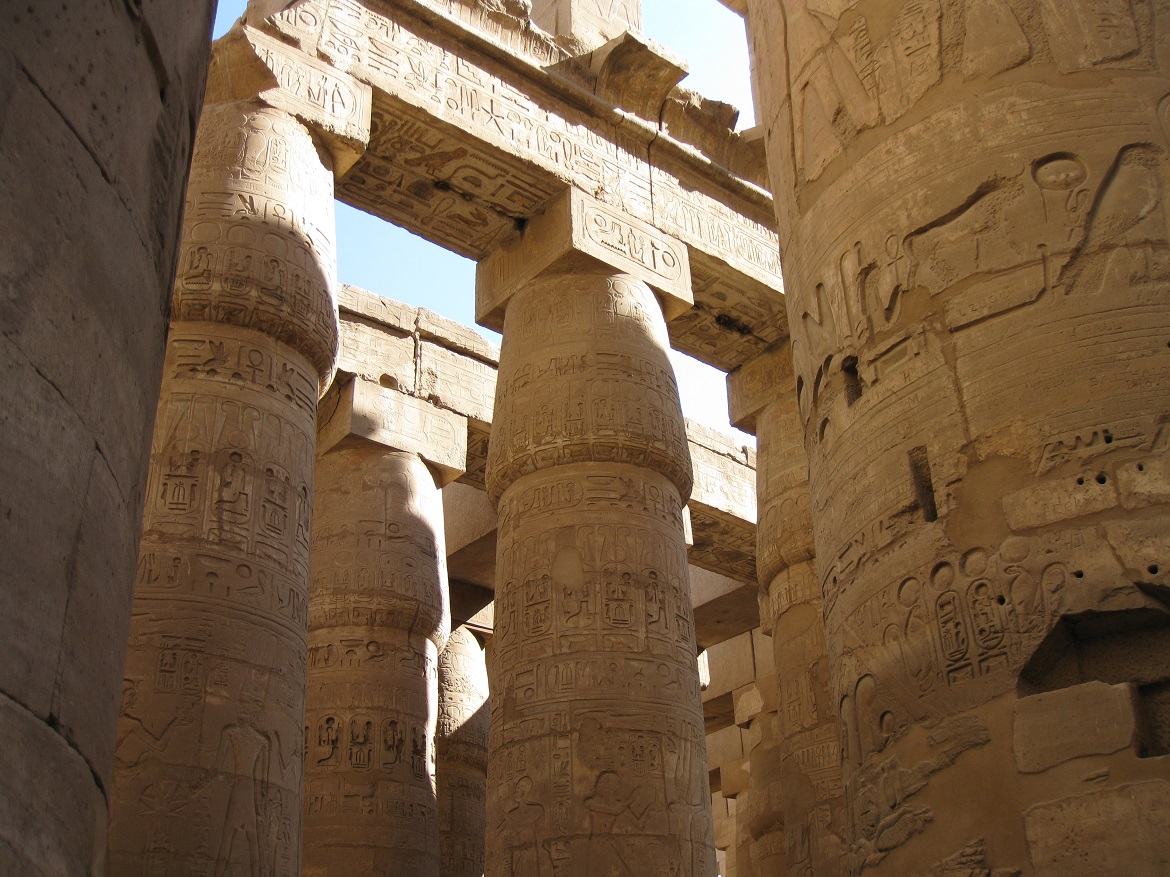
597	758
973	204
208	759
379	614
461	744
95	142
796	804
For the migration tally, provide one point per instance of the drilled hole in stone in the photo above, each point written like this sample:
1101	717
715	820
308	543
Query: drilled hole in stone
1153	569
1001	599
1141	467
1101	479
1079	573
1080	481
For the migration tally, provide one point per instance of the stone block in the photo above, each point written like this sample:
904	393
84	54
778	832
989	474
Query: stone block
379	309
250	63
724	607
1119	830
1076	722
758	382
361	410
470	520
456	381
722	479
735	777
753	700
377	353
586	21
732	666
636	74
455	336
577	232
724	746
763	647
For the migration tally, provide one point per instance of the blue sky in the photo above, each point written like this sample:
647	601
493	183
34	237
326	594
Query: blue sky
390	261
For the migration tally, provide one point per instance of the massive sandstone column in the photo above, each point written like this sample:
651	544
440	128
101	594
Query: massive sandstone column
973	203
461	745
379	614
794	805
209	746
95	142
597	758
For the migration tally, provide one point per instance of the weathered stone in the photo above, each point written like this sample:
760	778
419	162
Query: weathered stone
439	166
461	743
577	232
379	614
95	144
972	214
209	743
598	725
1050	728
590	23
359	411
796	795
1105	831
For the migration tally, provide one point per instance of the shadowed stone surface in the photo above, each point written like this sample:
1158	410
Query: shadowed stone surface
96	135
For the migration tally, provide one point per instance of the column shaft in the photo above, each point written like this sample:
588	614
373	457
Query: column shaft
378	615
461	745
973	200
208	774
598	762
96	135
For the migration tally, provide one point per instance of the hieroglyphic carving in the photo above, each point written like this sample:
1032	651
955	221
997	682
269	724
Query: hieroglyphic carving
378	616
597	752
461	742
574	228
459	151
566	400
313	91
363	410
594	657
456	381
798	802
591	22
258	241
209	742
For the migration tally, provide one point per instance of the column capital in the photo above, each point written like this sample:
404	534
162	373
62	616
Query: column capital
760	381
357	411
578	233
250	64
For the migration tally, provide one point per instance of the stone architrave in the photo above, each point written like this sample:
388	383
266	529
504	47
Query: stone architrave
96	134
461	754
209	747
972	200
795	806
597	756
379	615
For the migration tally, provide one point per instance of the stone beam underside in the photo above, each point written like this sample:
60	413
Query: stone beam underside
472	135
